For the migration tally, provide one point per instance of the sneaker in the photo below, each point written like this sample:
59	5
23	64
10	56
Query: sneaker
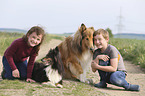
133	87
101	84
3	74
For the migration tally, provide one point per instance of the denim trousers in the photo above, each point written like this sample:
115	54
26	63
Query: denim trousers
116	78
21	66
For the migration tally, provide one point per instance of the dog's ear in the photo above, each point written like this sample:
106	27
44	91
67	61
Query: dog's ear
91	28
56	50
82	28
51	49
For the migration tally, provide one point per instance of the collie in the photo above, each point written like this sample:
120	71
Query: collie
50	70
76	54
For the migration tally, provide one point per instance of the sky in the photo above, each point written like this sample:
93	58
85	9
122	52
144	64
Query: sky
66	16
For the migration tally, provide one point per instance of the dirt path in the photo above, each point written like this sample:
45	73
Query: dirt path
136	75
46	47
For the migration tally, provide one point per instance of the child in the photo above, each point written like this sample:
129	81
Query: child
109	63
16	55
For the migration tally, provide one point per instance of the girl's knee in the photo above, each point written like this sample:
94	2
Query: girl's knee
8	76
23	76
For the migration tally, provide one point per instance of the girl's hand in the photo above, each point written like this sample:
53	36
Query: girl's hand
15	73
103	57
30	80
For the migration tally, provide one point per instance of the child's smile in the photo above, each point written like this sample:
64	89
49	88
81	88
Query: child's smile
100	42
34	39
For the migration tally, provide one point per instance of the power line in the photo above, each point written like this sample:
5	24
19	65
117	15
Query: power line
120	25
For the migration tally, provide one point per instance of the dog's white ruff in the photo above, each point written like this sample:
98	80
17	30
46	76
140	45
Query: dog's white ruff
53	75
85	62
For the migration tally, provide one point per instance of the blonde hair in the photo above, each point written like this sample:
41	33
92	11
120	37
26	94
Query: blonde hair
102	32
39	31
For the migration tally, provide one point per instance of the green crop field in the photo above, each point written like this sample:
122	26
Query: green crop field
131	49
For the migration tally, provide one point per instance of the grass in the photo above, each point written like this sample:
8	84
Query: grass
71	88
131	49
6	39
15	84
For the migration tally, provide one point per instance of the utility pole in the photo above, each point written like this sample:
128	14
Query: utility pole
120	25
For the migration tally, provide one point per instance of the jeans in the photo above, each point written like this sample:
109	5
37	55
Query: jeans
116	78
21	66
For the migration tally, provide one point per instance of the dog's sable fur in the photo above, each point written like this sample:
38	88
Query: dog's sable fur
50	70
76	53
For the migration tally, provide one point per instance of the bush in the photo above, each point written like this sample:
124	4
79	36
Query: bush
110	32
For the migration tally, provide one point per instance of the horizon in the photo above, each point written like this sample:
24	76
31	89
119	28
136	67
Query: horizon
18	30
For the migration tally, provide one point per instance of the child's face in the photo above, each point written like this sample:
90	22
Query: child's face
34	39
100	41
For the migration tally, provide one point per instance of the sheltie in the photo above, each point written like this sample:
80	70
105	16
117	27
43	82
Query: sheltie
50	70
77	53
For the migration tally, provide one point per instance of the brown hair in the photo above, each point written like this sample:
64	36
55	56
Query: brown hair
38	31
103	32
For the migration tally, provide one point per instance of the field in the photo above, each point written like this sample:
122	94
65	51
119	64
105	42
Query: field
127	47
131	49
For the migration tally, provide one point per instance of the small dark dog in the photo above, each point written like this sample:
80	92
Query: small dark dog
50	70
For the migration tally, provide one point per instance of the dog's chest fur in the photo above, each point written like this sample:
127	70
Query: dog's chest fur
53	74
86	59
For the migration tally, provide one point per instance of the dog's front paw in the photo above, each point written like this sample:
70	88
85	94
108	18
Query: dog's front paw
49	84
89	81
59	86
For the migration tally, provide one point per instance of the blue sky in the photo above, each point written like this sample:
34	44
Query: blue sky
65	16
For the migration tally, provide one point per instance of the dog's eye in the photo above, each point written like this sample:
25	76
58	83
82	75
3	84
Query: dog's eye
49	61
43	60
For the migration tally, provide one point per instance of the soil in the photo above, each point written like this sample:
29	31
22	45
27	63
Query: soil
136	75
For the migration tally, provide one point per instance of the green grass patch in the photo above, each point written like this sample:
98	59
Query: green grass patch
12	84
131	49
71	88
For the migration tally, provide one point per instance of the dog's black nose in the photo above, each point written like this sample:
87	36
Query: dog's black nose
42	60
91	49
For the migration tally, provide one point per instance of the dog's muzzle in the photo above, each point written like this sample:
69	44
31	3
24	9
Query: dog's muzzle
92	49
